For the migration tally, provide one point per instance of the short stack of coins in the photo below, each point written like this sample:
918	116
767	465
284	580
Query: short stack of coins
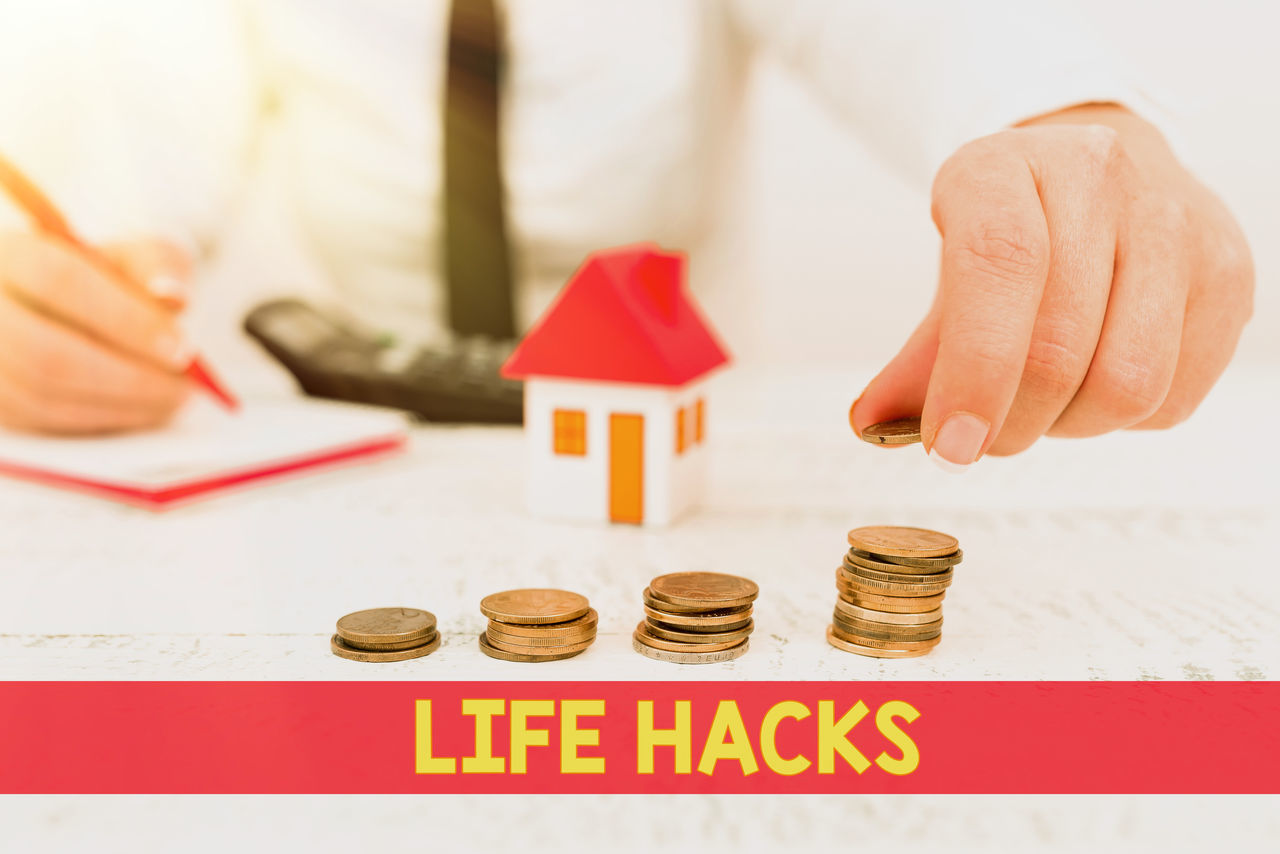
892	583
537	624
696	618
386	634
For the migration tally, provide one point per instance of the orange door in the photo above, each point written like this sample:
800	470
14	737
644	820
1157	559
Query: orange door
626	468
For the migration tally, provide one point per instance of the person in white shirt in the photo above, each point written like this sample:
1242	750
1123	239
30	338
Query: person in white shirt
1088	281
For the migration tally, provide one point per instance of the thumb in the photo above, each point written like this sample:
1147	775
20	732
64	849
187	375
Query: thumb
899	390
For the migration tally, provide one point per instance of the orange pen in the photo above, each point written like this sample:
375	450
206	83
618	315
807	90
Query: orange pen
50	220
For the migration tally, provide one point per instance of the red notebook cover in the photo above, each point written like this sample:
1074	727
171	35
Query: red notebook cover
206	452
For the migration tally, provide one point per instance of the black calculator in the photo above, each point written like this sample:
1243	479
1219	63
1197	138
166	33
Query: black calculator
330	356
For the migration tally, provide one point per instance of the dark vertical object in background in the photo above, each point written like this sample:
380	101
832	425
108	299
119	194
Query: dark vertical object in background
477	254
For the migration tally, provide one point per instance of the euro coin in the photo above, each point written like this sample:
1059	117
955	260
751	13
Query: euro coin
897	541
673	633
586	623
902	431
646	637
894	563
388	647
890	588
887	631
340	648
386	625
873	652
855	612
716	657
502	639
502	654
893	604
534	606
723	621
874	643
709	590
498	642
943	577
845	579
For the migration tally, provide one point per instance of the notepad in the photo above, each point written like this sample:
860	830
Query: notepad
205	452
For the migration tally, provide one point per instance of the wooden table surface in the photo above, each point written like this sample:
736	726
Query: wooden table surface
1135	556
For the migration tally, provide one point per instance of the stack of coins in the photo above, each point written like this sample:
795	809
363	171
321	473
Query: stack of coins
386	634
696	618
891	585
537	625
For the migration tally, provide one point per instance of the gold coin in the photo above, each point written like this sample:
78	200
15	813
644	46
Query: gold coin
386	625
892	540
893	563
869	651
874	643
696	629
494	652
903	431
856	612
710	590
689	657
653	602
340	648
389	647
723	621
497	641
496	634
893	604
889	577
672	633
646	636
845	579
886	631
534	606
586	623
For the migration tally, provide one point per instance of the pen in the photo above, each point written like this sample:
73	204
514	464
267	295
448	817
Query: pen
50	220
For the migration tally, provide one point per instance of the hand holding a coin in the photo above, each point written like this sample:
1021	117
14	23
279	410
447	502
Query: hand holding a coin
1089	283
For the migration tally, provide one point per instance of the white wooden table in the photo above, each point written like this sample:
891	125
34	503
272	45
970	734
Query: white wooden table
1137	556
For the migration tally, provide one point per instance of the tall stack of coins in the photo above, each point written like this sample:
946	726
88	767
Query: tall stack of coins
892	583
537	624
696	618
386	634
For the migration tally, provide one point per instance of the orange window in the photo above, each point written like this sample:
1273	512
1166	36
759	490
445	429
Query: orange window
699	421
681	438
570	432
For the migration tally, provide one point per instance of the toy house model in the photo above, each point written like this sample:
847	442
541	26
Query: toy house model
615	408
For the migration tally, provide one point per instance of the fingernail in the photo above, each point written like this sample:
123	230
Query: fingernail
169	287
854	408
959	441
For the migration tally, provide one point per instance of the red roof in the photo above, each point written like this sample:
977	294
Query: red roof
625	316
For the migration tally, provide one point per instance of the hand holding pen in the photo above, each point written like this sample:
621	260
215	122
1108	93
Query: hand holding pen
89	338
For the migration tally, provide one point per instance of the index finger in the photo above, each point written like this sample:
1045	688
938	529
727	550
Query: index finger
995	261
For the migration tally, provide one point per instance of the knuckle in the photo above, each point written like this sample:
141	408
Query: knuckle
1100	150
987	356
1053	370
1131	389
1171	216
1006	252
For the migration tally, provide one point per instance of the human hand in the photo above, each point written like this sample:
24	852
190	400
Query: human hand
83	352
1089	283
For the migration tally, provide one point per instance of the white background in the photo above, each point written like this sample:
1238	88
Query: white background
819	225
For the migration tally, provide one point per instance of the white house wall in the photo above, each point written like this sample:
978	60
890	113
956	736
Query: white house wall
577	487
688	476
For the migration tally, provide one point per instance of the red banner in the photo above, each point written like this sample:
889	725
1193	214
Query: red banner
388	737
